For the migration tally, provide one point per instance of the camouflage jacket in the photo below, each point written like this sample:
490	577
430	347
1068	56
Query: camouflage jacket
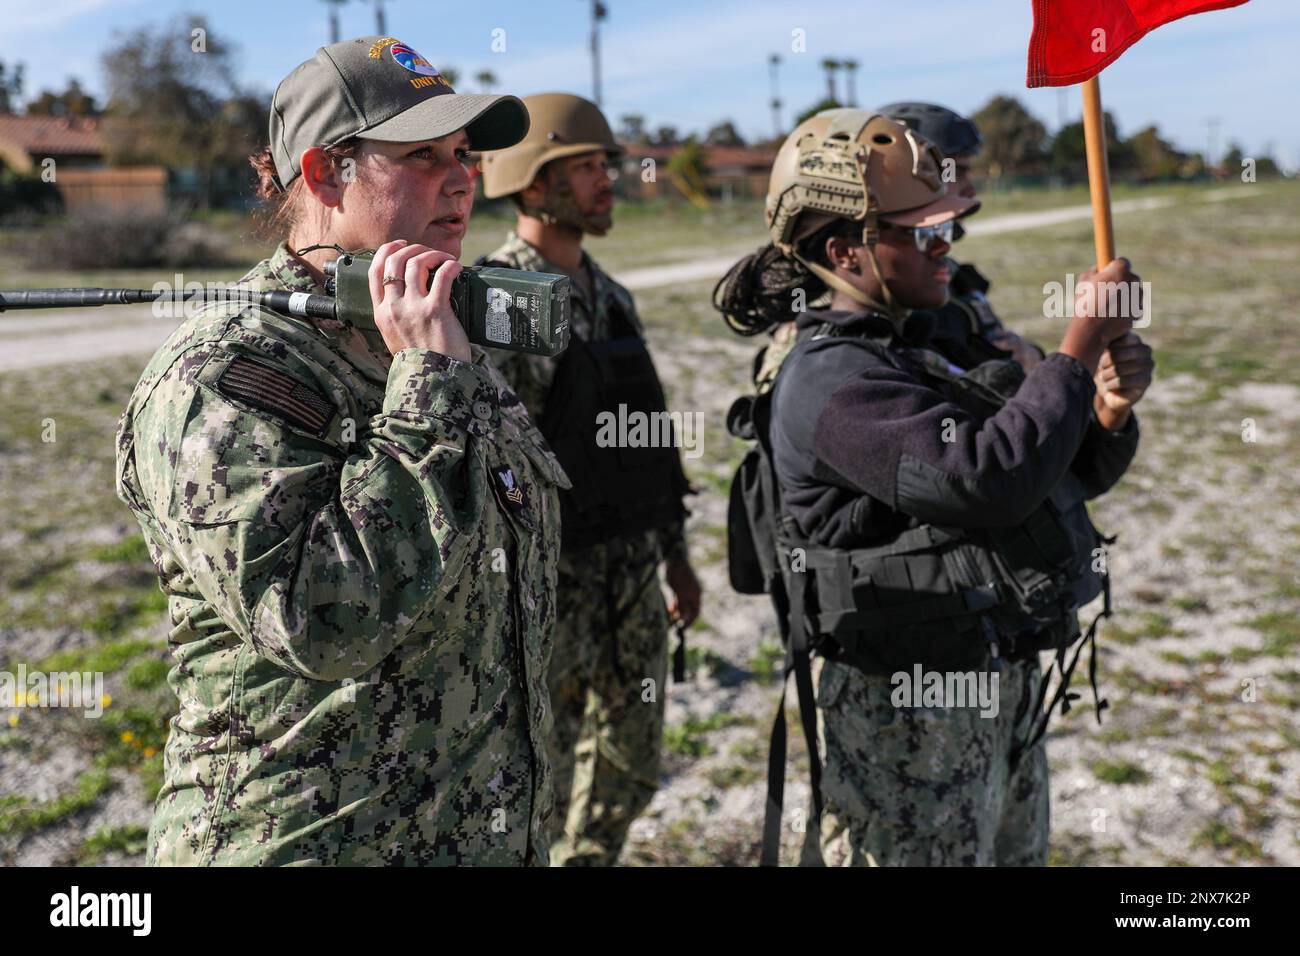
531	375
359	554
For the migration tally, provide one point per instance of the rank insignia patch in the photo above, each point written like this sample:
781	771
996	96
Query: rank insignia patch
509	487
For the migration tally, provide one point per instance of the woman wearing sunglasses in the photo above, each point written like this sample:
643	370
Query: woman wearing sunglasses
932	535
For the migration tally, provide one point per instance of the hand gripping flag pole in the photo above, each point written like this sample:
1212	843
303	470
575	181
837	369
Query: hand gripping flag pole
1072	42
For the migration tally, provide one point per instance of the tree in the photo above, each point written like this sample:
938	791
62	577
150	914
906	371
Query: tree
666	136
632	127
1153	157
1068	152
723	134
1013	139
486	79
1232	160
688	164
831	66
74	101
850	81
11	86
828	104
175	106
450	74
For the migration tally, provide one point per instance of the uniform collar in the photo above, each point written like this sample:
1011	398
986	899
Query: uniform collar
873	324
284	270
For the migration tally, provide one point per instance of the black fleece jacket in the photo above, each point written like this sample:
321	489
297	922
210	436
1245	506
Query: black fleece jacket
864	451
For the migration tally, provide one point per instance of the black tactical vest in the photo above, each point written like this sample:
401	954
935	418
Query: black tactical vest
937	596
617	489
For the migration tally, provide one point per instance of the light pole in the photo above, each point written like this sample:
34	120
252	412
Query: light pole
598	12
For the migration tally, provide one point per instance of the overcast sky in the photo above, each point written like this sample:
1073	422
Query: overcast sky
691	64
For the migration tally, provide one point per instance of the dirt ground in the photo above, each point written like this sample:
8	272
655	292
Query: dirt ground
1196	762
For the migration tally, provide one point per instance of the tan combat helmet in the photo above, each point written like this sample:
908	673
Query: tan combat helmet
561	125
851	164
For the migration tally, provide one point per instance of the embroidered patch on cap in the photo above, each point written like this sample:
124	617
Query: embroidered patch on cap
276	392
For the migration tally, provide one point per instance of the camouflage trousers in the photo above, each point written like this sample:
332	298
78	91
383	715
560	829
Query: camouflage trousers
928	786
611	636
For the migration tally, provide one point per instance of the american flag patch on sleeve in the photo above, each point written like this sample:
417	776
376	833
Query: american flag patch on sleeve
276	392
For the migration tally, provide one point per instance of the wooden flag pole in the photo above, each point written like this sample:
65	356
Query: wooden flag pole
1094	136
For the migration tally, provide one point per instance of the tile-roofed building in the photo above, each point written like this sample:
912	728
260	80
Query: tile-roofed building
75	145
26	140
728	170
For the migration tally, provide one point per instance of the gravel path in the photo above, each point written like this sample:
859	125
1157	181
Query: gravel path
31	340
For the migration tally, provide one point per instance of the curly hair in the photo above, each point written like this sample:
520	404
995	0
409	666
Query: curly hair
757	293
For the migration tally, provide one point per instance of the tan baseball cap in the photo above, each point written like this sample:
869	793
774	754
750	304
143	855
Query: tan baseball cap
380	88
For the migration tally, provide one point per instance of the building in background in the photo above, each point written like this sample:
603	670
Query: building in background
77	149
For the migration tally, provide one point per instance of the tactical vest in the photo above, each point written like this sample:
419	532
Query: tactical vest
617	489
941	597
963	324
935	595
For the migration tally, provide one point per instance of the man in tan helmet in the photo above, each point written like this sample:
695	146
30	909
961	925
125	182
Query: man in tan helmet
624	514
928	533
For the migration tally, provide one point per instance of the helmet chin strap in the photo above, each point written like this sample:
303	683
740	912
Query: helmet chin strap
897	312
560	208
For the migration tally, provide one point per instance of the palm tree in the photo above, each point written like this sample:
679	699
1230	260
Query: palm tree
486	79
334	18
380	27
850	81
773	62
831	67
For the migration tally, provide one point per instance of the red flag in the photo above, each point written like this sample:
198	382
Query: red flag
1074	40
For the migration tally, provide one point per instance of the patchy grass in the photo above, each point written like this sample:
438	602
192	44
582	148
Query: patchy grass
108	656
1281	632
1118	772
1223	840
767	662
130	550
1070	848
734	775
687	738
1210	517
703	659
130	840
19	815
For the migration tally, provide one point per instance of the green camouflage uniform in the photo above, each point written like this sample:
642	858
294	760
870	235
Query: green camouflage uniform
359	554
928	786
921	786
612	629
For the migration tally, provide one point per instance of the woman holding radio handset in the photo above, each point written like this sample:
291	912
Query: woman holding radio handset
355	522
